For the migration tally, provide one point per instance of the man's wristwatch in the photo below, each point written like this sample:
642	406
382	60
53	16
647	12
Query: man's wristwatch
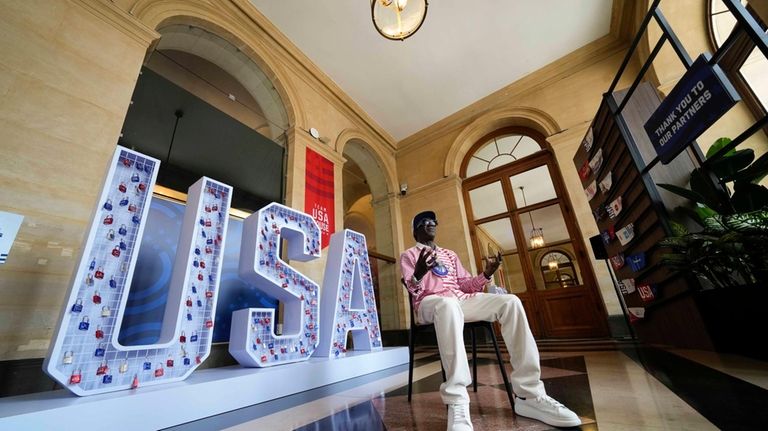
415	280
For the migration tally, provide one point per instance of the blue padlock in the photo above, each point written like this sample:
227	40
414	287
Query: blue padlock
123	246
194	289
147	168
202	222
122	230
135	178
187	361
100	350
193	338
135	219
202	232
139	166
196	263
84	324
199	302
112	282
77	306
197	251
209	241
189	315
92	265
123	202
147	365
108	205
107	378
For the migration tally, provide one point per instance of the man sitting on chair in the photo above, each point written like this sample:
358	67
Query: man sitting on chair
445	294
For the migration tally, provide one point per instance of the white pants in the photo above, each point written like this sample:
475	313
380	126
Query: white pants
449	314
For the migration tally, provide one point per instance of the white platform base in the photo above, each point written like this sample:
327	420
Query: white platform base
205	393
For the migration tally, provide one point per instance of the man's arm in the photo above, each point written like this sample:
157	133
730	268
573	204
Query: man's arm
407	267
467	282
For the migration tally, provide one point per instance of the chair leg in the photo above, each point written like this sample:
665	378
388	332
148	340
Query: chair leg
503	370
474	359
410	361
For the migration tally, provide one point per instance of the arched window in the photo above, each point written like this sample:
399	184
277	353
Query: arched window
499	151
557	269
745	65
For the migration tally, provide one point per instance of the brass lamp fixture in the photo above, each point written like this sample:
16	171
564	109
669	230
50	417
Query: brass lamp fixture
537	233
398	19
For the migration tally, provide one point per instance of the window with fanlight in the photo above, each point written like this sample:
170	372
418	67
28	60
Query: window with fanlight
745	64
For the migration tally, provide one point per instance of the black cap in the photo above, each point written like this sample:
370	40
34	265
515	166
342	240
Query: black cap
421	216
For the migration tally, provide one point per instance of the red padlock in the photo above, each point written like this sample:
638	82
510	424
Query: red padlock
116	252
96	297
207	222
189	301
127	163
169	363
103	368
208	249
122	187
135	383
263	358
108	219
200	276
75	377
159	371
209	293
99	333
132	208
209	323
182	338
207	208
141	187
197	359
99	273
202	264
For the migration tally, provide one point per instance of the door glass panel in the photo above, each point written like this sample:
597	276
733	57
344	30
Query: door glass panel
511	275
487	200
496	235
550	220
556	267
536	184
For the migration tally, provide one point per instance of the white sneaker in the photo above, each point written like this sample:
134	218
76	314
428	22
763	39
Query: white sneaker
547	410
458	418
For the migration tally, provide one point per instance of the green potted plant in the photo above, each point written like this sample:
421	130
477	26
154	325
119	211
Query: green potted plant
731	249
728	254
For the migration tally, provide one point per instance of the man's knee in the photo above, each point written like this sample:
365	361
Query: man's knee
448	306
513	302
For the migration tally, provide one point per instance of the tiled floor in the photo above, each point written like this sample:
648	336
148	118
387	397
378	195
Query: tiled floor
633	389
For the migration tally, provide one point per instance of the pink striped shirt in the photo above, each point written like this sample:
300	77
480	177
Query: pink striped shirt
457	281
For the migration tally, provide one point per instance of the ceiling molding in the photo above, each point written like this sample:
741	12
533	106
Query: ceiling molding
307	70
570	64
121	20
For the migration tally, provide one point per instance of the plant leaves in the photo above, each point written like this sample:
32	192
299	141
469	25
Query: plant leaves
754	173
717	146
678	229
681	191
714	196
751	222
749	197
730	165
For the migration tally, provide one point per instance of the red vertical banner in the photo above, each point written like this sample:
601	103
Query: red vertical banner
318	193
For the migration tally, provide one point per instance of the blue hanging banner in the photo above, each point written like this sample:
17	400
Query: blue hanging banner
701	97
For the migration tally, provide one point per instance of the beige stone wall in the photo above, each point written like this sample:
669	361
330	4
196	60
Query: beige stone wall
67	72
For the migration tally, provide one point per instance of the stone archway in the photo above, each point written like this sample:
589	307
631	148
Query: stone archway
373	197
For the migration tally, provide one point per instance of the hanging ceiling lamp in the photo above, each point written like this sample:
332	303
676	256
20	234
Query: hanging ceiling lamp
398	19
552	262
537	233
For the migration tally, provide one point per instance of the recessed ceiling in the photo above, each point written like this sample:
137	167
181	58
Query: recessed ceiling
463	52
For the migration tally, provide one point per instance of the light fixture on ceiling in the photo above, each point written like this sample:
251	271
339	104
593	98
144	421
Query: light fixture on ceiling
537	233
398	19
552	262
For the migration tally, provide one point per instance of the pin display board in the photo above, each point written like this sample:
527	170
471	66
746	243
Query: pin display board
632	215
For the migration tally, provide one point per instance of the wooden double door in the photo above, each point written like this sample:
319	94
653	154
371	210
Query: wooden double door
521	209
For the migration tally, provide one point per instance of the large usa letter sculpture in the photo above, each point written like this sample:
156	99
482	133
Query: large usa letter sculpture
252	340
85	355
348	300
